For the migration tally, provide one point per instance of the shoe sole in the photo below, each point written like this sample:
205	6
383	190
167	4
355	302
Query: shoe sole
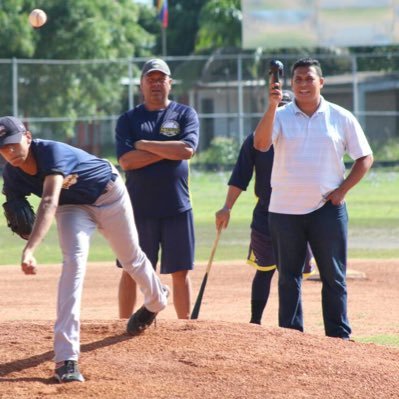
61	381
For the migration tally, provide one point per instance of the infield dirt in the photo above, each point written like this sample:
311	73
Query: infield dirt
220	355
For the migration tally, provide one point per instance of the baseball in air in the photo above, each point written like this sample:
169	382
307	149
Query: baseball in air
37	18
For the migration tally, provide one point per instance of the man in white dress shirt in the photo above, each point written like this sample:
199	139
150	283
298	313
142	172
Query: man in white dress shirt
310	137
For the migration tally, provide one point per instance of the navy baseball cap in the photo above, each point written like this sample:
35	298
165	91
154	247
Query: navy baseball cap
11	130
155	64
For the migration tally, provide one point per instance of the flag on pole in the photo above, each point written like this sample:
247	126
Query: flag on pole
162	9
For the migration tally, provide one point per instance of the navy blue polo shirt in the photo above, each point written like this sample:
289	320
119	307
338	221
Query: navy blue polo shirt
85	175
162	188
250	159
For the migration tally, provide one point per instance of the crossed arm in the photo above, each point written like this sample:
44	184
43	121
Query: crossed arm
149	152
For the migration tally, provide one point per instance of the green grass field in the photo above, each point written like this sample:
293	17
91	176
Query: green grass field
382	339
372	204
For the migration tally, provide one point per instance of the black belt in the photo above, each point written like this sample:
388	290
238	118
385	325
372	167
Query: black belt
112	178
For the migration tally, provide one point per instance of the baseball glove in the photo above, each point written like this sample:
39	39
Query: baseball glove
20	216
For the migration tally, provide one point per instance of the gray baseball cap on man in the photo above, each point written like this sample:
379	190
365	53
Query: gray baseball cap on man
11	130
155	64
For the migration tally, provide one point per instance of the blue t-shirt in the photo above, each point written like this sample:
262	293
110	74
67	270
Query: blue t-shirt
160	189
85	175
249	159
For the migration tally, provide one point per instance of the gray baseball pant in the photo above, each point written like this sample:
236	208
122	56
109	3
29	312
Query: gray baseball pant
112	215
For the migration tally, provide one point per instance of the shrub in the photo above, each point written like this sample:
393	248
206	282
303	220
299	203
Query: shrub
221	154
387	150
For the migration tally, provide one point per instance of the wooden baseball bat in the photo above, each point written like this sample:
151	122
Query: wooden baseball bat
196	309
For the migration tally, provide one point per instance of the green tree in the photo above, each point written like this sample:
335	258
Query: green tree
182	28
87	29
75	30
220	25
201	26
16	35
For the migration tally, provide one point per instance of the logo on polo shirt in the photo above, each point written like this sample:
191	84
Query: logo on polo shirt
170	128
70	180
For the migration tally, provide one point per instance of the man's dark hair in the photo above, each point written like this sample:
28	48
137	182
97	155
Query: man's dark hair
307	62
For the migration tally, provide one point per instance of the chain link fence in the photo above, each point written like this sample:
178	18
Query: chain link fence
78	101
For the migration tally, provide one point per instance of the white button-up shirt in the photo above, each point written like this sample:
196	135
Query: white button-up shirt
308	155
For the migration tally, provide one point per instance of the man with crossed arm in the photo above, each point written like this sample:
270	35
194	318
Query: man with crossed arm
154	142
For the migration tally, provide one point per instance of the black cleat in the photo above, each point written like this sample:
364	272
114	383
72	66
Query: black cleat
68	372
143	318
140	321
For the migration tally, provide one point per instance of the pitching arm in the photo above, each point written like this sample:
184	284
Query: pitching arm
45	215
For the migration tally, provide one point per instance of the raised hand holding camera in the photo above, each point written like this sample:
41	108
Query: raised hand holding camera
276	71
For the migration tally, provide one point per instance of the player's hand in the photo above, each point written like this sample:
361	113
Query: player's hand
28	263
337	197
222	217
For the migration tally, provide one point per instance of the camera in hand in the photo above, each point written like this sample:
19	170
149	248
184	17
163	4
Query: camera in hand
276	70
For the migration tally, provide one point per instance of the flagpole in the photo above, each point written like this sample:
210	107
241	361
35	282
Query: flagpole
164	41
162	9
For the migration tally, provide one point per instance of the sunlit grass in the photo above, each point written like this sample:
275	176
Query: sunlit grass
373	209
385	340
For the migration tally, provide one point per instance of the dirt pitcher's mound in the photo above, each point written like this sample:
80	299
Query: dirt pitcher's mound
219	356
197	359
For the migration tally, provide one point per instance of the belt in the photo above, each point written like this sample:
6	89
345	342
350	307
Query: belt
107	187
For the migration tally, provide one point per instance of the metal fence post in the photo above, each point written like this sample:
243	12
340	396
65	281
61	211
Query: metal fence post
131	85
14	86
355	88
240	94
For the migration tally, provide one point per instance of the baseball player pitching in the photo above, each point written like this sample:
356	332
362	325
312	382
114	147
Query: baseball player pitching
83	193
